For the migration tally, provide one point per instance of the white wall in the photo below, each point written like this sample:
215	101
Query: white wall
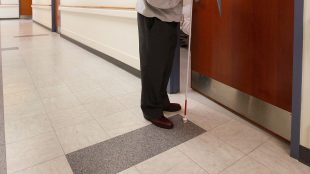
42	12
114	3
9	1
42	2
9	9
305	118
113	32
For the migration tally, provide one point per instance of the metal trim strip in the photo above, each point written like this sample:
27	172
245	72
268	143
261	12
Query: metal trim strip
272	118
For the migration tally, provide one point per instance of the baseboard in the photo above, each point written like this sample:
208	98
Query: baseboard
9	18
25	17
110	59
42	25
304	155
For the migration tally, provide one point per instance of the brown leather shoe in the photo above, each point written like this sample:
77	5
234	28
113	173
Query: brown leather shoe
162	122
173	107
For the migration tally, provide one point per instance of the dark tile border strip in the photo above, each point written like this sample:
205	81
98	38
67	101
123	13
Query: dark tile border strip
2	133
304	155
32	35
9	48
112	60
122	152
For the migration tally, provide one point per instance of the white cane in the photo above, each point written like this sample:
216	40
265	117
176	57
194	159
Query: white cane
189	56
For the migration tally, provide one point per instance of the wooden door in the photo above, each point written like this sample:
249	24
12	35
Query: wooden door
249	47
25	8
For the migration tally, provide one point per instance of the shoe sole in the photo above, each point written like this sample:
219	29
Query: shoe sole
172	111
163	126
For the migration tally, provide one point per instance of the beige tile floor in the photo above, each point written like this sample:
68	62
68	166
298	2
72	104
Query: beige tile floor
60	98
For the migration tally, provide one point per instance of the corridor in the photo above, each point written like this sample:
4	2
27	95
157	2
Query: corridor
68	111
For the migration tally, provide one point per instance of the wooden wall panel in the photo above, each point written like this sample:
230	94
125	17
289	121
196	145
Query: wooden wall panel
249	48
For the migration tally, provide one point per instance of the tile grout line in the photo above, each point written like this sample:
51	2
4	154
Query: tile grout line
46	114
40	98
191	158
109	136
14	105
216	109
259	161
95	119
235	162
91	115
212	130
246	155
45	161
50	122
263	164
88	112
167	170
228	116
45	111
24	139
135	167
83	105
267	140
243	154
187	158
222	124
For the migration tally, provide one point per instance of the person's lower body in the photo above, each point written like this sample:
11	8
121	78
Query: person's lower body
157	44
